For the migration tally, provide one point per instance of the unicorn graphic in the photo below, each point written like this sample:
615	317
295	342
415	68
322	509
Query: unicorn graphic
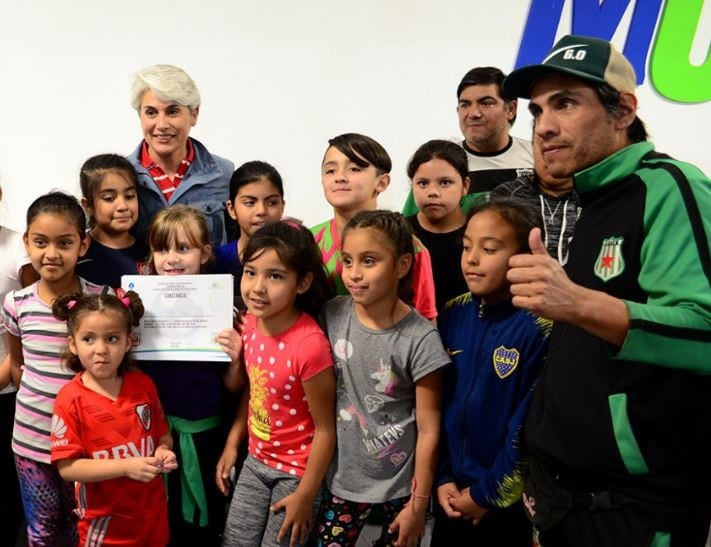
387	380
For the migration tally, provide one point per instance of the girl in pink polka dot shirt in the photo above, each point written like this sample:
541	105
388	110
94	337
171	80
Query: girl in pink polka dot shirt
288	414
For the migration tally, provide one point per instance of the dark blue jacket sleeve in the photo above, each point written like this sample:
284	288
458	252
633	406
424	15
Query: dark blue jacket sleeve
444	467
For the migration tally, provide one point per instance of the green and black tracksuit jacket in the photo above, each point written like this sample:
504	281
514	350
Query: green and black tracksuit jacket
635	419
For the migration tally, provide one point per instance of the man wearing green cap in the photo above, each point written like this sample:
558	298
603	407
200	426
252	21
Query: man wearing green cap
619	429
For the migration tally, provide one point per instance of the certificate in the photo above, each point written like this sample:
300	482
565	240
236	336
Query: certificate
183	316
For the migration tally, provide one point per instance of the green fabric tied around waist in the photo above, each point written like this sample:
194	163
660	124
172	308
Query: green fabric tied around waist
191	485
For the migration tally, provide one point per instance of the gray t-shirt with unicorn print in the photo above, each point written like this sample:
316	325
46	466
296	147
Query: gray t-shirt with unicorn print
376	372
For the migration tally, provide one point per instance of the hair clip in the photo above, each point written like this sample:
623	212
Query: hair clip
105	290
121	295
71	304
293	222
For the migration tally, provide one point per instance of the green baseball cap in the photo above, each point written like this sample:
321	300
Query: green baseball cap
587	58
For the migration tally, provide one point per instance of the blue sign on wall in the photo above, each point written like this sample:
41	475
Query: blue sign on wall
670	70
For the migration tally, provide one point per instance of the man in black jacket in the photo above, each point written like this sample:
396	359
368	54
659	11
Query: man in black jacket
619	429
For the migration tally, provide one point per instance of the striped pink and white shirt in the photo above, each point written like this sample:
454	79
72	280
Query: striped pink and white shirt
44	339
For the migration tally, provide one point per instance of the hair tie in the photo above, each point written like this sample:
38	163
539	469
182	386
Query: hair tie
121	295
71	304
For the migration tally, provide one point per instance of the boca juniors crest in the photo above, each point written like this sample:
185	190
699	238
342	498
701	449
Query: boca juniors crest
505	361
609	262
144	415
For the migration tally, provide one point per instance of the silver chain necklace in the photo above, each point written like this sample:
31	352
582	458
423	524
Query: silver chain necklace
551	214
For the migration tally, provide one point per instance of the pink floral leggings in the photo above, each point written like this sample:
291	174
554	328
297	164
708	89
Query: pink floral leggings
341	521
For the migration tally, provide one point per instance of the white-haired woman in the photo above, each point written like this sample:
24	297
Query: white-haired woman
171	166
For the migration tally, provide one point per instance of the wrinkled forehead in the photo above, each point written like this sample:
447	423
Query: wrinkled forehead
475	92
556	84
159	99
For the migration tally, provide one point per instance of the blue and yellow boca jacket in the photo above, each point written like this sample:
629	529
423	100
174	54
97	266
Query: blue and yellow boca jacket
497	353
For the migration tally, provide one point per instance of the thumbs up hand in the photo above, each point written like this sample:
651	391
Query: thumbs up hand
539	283
535	242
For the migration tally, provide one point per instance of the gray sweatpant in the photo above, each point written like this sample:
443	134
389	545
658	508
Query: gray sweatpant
250	522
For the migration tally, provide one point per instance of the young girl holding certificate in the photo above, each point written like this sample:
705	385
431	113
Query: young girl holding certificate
192	393
289	414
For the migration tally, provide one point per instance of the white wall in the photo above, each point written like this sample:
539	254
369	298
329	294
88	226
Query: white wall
277	80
